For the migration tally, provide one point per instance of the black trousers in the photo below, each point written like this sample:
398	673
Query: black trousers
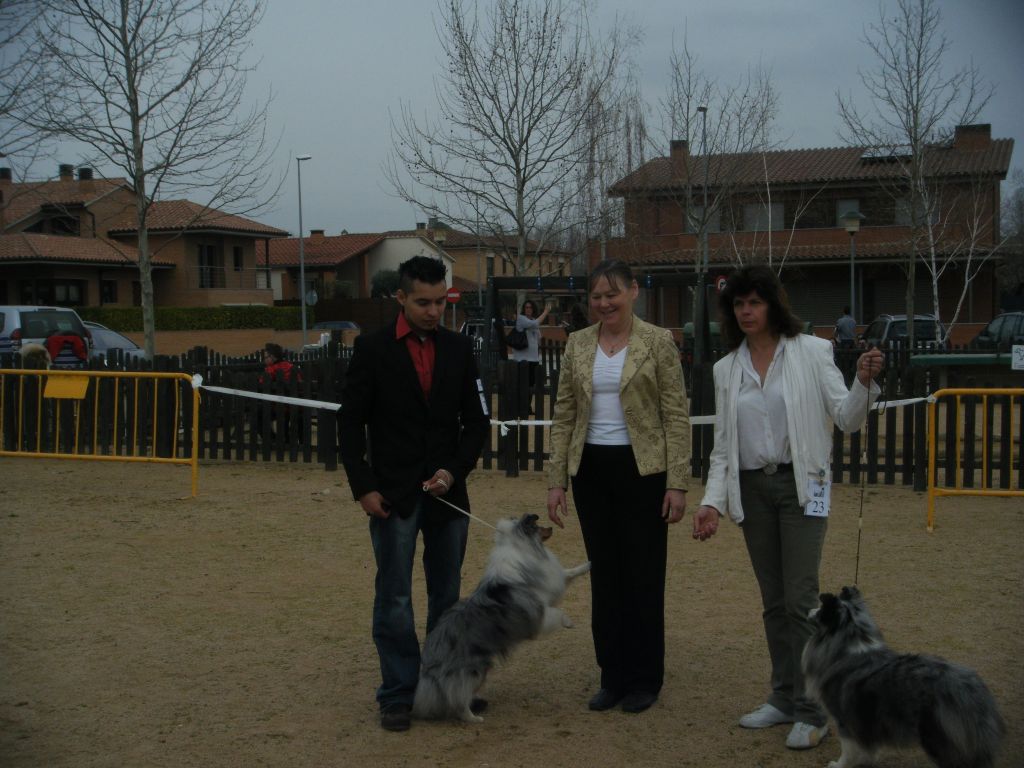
627	541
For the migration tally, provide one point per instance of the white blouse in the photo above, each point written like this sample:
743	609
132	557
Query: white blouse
761	412
607	421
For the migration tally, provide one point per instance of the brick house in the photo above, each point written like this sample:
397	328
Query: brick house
355	258
72	242
787	206
349	259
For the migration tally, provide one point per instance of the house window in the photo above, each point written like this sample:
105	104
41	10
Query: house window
902	216
758	217
236	257
66	293
56	225
693	221
211	266
845	206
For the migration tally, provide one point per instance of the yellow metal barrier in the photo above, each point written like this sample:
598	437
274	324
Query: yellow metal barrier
43	414
1014	395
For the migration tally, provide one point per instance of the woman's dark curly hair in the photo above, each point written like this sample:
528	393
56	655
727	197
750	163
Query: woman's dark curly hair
762	280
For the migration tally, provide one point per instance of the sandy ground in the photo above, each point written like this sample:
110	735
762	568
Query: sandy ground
140	627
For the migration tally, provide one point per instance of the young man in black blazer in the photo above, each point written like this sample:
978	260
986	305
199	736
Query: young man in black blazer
413	424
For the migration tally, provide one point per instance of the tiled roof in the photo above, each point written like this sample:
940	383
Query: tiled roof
811	166
23	199
794	254
455	239
175	215
32	247
318	250
464	284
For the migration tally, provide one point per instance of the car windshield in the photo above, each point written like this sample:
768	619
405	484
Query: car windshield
40	323
924	329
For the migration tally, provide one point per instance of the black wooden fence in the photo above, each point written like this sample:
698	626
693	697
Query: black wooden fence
891	450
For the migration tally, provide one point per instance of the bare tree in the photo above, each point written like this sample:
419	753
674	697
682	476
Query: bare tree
519	85
723	124
614	140
20	72
914	106
157	89
1010	270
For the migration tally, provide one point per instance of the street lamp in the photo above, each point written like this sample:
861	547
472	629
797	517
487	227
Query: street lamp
851	220
701	330
440	235
302	255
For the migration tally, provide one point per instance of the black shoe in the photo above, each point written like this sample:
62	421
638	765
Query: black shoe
604	699
478	706
638	701
396	717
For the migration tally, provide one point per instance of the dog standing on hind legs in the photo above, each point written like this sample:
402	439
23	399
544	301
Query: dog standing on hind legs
516	600
879	698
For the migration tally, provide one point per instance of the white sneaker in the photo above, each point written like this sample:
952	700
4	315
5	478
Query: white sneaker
765	716
806	736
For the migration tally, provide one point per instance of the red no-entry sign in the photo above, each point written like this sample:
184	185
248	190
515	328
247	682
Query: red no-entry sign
454	294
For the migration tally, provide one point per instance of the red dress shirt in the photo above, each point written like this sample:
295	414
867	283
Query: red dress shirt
422	351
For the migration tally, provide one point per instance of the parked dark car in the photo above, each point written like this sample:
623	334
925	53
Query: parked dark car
1001	333
888	331
348	329
104	341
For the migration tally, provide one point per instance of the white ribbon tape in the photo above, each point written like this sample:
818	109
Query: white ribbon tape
300	401
504	426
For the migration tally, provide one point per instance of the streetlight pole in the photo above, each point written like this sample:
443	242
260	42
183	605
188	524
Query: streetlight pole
701	331
302	255
851	221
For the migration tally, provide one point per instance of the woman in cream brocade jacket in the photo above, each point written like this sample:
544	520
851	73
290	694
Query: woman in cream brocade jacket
653	400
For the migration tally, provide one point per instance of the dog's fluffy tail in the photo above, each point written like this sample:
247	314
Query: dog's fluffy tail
429	701
446	697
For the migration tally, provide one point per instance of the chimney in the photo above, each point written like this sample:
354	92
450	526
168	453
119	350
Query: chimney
85	179
66	171
972	137
316	234
679	153
5	181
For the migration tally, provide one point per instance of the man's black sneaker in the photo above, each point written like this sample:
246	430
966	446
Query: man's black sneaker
395	717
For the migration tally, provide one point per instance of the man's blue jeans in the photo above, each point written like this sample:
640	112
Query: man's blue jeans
394	629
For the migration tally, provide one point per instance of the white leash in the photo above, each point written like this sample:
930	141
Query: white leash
467	514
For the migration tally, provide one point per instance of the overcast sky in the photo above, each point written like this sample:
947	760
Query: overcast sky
337	67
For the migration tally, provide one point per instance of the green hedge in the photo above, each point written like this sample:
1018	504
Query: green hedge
198	318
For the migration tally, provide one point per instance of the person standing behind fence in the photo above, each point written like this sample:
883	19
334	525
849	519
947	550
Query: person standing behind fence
530	322
577	319
275	366
846	330
621	432
412	426
777	394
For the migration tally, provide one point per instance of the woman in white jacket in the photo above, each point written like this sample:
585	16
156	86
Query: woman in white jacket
777	395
